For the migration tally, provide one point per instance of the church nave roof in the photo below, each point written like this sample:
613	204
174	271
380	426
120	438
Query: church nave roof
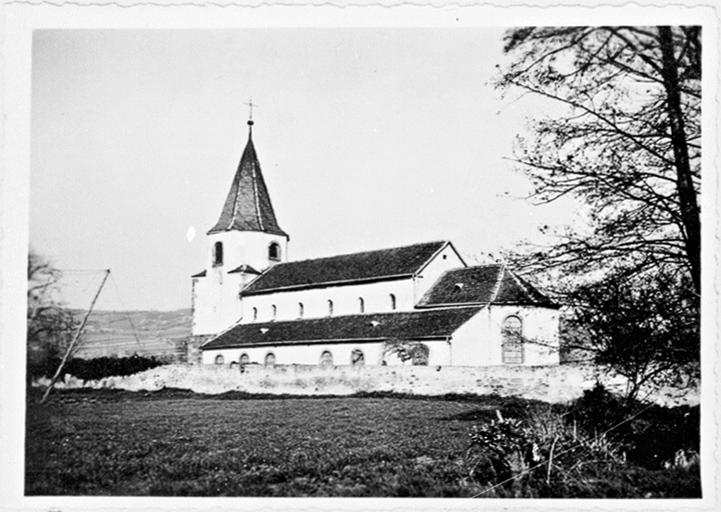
365	266
412	325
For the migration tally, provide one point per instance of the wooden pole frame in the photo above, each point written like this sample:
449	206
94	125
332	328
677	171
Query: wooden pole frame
76	338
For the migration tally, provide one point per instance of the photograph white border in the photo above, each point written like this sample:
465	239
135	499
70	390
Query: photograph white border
20	18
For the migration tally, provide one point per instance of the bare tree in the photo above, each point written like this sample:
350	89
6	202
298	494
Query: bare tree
49	324
626	143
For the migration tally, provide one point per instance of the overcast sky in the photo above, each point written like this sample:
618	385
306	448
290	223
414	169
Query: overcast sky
367	138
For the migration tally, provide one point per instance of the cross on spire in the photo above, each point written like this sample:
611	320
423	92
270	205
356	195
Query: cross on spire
250	115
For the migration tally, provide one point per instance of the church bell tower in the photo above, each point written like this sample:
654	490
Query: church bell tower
244	242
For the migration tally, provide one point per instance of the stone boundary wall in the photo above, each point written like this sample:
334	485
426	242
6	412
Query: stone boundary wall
554	384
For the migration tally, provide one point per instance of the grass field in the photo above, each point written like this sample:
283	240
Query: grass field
177	443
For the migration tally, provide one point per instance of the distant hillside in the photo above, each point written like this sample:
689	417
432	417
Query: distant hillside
113	333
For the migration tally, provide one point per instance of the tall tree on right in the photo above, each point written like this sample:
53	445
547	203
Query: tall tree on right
626	143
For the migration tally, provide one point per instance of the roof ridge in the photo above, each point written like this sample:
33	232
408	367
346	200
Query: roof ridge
236	200
531	291
484	265
255	191
520	283
360	252
244	268
499	283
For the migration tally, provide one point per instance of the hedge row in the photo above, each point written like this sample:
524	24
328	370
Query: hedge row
94	369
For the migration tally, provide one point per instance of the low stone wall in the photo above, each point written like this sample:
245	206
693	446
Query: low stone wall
547	383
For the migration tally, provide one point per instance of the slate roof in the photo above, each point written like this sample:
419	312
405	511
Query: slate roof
411	325
357	267
484	284
247	206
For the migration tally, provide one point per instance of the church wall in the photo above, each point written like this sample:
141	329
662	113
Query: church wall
446	259
480	339
310	354
298	354
245	248
471	344
216	301
478	342
376	297
539	330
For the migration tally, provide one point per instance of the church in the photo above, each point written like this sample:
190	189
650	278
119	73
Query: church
417	304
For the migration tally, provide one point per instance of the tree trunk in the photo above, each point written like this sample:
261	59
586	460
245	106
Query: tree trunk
690	214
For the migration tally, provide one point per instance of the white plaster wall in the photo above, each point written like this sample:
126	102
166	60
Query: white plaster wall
539	330
299	354
245	248
446	259
439	354
471	344
216	301
479	341
345	301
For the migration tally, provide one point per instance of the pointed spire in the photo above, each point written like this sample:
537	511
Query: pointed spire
247	206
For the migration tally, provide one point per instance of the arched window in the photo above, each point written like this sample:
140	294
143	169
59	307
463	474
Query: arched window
357	358
326	358
301	310
217	254
219	359
270	359
244	359
274	311
330	307
255	314
361	305
512	340
274	251
393	302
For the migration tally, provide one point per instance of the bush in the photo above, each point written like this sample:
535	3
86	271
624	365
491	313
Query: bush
585	449
406	350
598	409
509	453
649	439
94	369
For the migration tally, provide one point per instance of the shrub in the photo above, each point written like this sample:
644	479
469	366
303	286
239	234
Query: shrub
499	449
649	439
406	350
94	369
598	409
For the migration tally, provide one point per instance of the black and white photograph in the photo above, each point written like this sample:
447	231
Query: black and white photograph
362	260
